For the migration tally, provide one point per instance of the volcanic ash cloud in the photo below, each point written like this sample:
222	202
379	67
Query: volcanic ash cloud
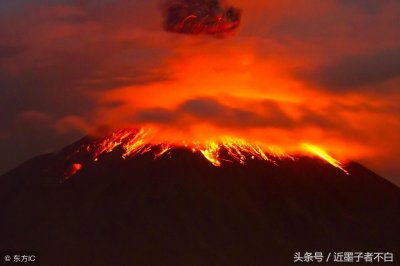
200	17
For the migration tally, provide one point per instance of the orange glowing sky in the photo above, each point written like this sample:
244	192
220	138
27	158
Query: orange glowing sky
320	72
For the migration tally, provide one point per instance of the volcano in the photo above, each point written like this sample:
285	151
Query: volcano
182	210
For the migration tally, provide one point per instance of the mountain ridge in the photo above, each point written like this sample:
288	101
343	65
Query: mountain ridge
182	210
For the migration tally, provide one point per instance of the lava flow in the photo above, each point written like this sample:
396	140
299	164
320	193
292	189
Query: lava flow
217	151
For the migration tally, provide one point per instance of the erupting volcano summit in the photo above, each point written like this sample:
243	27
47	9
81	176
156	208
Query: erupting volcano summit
182	210
217	151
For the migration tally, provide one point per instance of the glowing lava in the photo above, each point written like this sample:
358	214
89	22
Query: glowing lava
216	151
323	155
72	170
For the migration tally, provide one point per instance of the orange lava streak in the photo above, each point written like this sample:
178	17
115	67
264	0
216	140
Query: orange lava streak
323	155
211	152
136	142
109	144
72	170
163	150
237	147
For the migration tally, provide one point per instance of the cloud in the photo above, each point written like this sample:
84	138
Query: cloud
367	6
269	114
32	133
210	110
356	71
55	58
73	123
156	115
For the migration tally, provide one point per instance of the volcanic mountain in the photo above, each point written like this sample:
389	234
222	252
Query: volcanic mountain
182	210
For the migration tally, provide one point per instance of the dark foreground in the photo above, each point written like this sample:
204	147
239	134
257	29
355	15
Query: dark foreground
181	210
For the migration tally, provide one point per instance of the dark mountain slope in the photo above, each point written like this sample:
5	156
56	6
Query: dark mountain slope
181	210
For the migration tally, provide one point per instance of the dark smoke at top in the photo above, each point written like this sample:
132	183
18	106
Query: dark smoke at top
200	16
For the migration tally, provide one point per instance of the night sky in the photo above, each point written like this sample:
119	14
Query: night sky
323	72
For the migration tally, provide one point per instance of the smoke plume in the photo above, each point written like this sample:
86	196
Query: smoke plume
200	16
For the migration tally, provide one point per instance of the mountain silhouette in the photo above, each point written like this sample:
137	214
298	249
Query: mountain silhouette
182	210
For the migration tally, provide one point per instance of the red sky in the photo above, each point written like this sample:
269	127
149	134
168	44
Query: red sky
324	72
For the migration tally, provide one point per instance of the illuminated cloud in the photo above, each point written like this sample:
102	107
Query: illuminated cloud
355	71
208	110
